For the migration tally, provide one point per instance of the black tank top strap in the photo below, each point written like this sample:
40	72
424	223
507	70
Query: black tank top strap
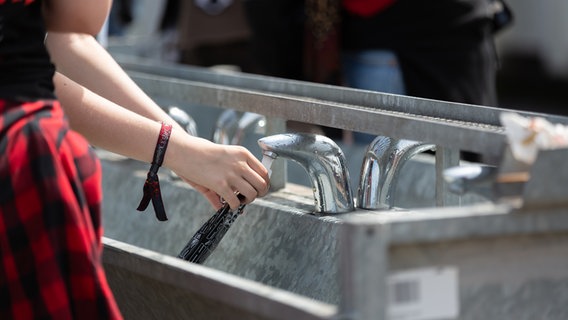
26	71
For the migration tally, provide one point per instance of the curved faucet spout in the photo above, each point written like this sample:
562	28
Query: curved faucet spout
324	162
381	167
226	126
184	119
232	126
249	121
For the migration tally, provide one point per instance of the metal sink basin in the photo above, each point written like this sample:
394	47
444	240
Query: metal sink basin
278	261
275	246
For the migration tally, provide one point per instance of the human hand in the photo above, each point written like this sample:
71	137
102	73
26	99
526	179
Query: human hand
211	196
217	170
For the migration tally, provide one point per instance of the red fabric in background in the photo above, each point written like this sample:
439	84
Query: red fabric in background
366	8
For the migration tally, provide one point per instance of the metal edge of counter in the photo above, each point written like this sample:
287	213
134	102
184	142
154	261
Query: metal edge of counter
253	297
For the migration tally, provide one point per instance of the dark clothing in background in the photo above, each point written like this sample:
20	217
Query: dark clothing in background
170	16
277	36
406	23
445	47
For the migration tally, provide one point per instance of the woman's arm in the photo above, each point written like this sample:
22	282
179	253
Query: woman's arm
214	169
81	58
93	90
71	25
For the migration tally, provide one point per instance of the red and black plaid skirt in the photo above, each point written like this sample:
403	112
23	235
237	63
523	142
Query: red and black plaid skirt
50	219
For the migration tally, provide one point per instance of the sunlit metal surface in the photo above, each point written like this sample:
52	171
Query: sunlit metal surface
325	163
232	126
381	167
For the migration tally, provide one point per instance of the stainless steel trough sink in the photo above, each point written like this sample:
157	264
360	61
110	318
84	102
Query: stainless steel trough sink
280	262
277	242
276	246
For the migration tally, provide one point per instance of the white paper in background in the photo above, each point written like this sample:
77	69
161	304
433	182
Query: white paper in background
423	294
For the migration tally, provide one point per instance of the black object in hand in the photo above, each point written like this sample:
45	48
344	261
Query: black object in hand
206	239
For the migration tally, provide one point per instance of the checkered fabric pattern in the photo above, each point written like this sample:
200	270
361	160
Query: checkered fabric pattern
50	221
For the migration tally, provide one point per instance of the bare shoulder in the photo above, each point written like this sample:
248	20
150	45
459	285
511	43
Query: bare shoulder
85	16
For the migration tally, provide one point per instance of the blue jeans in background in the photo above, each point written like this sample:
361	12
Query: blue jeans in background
375	70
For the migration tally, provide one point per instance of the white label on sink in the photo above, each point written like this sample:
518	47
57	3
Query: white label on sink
423	294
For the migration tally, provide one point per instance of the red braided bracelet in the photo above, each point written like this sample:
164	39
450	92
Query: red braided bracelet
152	184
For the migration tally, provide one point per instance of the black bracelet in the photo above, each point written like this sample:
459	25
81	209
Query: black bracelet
152	184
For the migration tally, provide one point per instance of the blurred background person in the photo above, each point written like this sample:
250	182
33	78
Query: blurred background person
297	39
441	50
277	29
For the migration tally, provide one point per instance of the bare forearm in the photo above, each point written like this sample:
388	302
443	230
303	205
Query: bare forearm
81	58
111	127
104	123
219	168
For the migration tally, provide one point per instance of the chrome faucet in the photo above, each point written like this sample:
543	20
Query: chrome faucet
381	167
232	126
183	119
475	178
249	121
226	126
325	163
